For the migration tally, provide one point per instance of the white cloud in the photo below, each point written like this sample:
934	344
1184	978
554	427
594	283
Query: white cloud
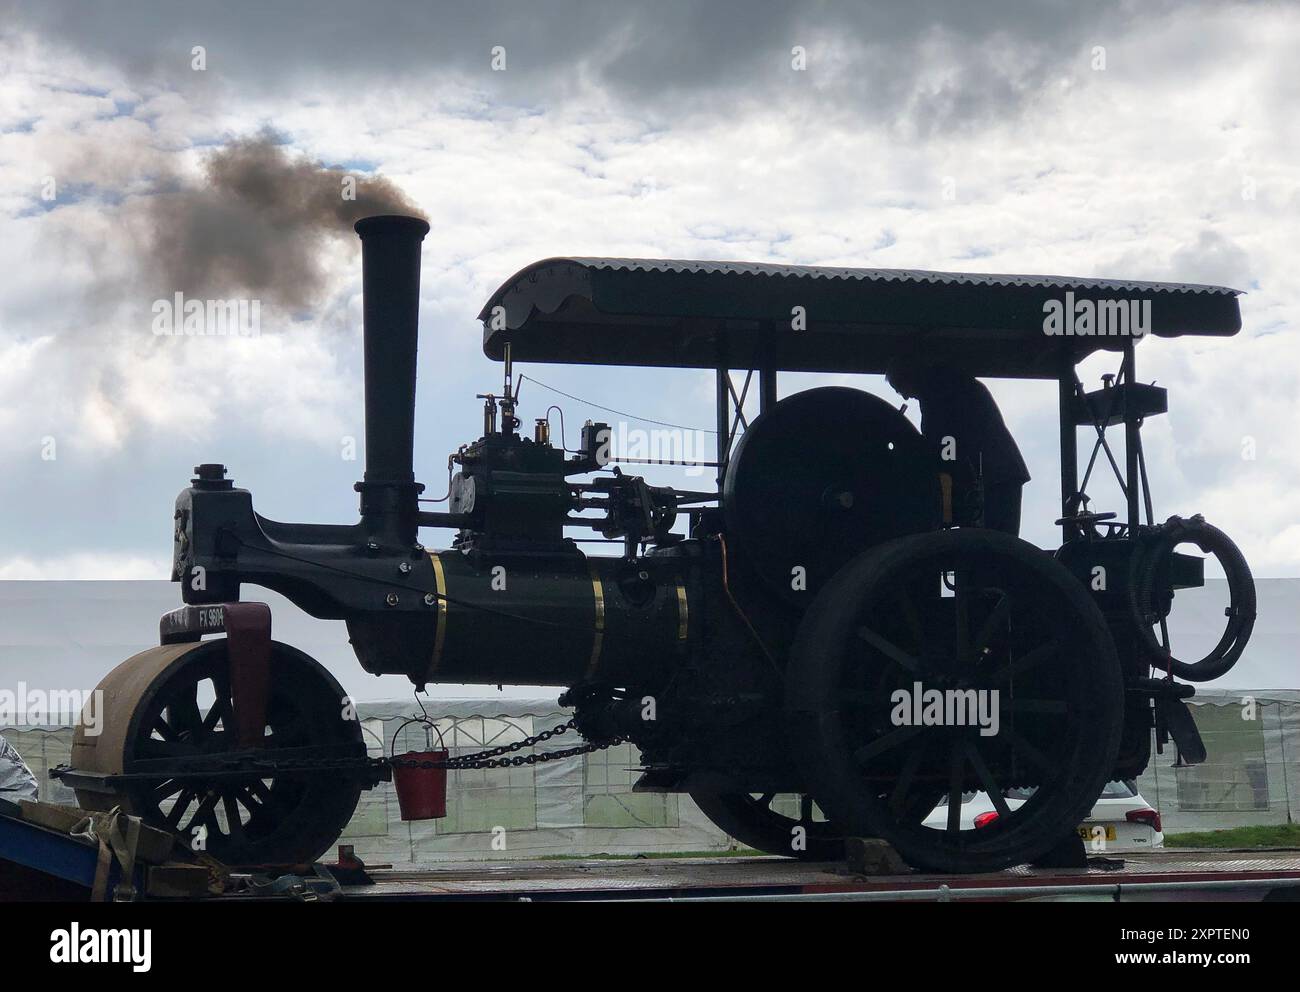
87	565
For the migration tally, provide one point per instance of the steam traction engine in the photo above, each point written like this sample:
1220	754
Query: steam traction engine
751	641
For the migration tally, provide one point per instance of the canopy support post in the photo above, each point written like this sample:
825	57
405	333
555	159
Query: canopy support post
767	368
1069	450
1131	438
723	401
766	389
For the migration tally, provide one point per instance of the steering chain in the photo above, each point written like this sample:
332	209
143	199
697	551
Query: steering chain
490	758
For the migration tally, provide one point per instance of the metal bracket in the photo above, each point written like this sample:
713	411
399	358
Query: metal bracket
247	627
1174	719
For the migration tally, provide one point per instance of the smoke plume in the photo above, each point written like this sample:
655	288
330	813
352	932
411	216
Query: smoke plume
257	223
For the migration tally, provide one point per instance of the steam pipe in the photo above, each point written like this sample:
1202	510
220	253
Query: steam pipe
390	277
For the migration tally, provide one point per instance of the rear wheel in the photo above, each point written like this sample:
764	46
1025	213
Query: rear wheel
956	661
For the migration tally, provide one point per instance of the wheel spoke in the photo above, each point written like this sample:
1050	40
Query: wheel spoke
260	816
906	776
249	801
206	814
991	787
233	822
890	650
164	729
1021	746
956	768
270	800
961	611
888	742
1027	662
183	712
179	807
215	715
996	621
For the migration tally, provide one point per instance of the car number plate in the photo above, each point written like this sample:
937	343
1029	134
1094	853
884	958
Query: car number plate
1091	833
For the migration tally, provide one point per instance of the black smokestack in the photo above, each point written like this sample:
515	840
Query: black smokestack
390	280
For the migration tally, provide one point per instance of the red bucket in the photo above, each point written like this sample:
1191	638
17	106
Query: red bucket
421	792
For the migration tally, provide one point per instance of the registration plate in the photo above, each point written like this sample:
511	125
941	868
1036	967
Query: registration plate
1090	833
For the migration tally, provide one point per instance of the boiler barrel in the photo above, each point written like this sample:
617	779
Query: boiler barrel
539	621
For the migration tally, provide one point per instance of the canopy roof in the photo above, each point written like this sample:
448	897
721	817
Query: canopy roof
700	314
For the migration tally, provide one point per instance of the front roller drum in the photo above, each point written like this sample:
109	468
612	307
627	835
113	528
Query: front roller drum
172	705
947	663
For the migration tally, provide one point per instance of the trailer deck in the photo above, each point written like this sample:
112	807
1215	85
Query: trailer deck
40	860
1147	876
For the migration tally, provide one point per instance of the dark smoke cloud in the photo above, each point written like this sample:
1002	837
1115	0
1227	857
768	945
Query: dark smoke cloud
875	62
257	223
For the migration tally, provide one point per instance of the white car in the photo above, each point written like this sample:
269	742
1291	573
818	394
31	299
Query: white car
1121	820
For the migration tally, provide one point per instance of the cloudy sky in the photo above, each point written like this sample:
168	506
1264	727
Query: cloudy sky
1134	140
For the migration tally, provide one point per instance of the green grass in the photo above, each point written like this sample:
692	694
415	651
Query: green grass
1272	835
